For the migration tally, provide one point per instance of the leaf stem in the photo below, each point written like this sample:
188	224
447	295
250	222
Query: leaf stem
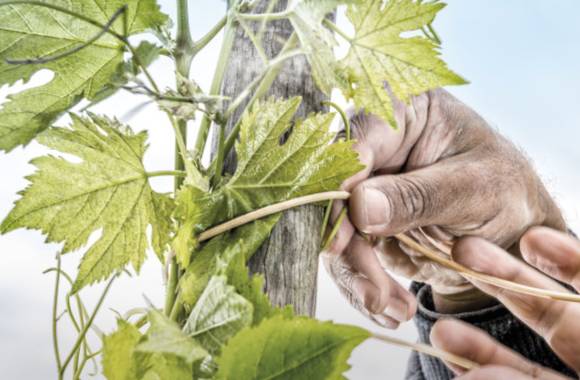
54	316
209	36
219	166
162	173
264	16
332	26
216	85
270	210
335	228
184	53
346	123
83	333
263	87
434	34
274	64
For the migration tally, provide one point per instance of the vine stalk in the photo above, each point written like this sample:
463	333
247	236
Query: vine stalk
184	52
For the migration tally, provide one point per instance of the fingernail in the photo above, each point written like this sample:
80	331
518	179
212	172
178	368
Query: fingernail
376	207
397	309
387	323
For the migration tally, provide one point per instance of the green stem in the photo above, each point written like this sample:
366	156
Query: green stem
434	34
184	52
83	333
177	309
219	166
326	219
334	230
264	16
261	90
215	87
80	324
203	41
346	123
255	41
332	26
77	374
164	173
274	64
54	316
342	114
184	44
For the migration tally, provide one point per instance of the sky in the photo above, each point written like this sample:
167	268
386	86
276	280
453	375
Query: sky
521	58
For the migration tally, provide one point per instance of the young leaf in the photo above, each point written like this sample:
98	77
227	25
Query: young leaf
268	171
30	31
317	41
298	348
252	288
242	242
378	53
123	361
118	351
108	191
218	315
165	337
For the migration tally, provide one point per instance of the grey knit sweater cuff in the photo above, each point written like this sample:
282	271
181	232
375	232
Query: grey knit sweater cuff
496	320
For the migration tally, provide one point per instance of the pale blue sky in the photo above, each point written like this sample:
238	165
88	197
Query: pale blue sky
521	57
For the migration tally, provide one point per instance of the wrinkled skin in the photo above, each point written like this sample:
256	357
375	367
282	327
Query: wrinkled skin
553	254
442	175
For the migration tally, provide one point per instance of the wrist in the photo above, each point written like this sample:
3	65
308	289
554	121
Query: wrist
470	299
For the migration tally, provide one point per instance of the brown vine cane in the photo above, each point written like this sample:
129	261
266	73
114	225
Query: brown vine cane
437	257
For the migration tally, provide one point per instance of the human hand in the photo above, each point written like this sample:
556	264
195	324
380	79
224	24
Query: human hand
443	174
556	255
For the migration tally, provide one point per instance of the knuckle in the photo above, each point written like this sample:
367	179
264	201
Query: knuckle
412	197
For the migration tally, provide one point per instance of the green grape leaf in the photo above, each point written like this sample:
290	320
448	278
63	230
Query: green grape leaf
379	54
298	348
122	359
118	349
268	172
251	287
166	367
242	242
30	31
108	191
165	337
218	315
317	41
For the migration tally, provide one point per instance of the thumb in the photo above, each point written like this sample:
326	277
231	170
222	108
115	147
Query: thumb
440	194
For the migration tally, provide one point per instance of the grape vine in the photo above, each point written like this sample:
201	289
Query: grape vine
216	321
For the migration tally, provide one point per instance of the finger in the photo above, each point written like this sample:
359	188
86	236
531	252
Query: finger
392	300
553	320
448	193
495	372
355	288
554	253
471	343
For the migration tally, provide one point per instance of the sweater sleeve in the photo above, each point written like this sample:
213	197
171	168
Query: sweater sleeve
496	320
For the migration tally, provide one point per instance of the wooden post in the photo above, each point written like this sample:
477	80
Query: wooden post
289	259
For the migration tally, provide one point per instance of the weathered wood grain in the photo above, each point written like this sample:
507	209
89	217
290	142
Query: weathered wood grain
289	259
